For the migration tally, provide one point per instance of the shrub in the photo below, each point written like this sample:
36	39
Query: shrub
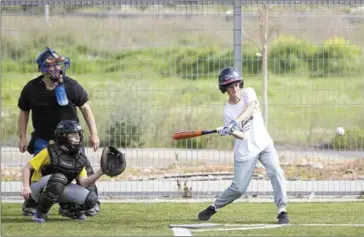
251	63
196	62
353	139
336	57
289	55
126	127
125	132
193	143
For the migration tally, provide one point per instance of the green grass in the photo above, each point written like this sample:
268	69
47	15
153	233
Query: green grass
301	110
141	219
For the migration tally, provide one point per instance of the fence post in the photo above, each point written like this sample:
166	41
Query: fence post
46	14
237	35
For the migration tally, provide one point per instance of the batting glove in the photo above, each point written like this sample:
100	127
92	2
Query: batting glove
226	130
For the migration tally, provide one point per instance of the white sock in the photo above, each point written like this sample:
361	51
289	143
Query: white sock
280	209
213	205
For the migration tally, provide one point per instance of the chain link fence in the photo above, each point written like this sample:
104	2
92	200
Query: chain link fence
150	69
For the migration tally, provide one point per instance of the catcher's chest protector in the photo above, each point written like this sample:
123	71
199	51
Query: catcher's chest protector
63	162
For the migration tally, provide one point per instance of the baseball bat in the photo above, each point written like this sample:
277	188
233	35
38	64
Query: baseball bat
190	134
200	132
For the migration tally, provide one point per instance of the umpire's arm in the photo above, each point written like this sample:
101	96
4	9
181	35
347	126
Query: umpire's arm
91	123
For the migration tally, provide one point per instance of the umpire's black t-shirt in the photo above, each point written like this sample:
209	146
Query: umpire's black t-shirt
46	113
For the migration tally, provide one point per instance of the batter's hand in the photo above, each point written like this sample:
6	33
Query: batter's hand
95	141
224	131
23	144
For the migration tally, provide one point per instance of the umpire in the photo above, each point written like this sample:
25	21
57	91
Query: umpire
53	97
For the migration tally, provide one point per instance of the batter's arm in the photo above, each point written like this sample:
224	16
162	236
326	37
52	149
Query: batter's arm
248	111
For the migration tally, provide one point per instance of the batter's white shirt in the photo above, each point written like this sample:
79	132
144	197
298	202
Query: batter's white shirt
256	135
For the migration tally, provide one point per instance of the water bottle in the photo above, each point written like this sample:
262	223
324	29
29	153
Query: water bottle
61	95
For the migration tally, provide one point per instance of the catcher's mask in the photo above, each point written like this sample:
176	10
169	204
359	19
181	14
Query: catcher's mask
52	64
69	133
227	76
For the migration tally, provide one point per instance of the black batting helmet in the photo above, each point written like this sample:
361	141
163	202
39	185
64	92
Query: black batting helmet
227	76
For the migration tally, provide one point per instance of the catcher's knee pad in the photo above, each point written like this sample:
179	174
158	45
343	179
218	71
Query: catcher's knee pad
90	201
51	193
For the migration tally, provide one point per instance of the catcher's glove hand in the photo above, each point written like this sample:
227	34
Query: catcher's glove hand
112	161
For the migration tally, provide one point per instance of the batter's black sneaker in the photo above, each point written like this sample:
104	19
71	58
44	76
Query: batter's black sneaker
283	218
206	214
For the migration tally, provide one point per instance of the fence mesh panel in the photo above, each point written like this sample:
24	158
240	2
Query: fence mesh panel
150	69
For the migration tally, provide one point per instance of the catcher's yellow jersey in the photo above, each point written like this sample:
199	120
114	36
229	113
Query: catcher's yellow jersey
42	159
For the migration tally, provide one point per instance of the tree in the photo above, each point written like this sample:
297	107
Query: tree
265	35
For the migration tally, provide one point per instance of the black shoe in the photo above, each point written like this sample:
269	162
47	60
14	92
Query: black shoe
93	211
72	214
283	218
206	214
29	207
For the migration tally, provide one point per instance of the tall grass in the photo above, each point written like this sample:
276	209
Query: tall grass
146	79
302	110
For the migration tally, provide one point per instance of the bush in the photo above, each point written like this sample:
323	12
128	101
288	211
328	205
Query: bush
251	63
194	63
353	139
193	143
289	55
126	130
336	57
123	134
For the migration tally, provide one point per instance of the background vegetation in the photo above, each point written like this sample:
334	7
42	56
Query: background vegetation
146	79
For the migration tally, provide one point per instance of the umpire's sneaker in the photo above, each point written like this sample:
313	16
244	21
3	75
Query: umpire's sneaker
206	214
283	218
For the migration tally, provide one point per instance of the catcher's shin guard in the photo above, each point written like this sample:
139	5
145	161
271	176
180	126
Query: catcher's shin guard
51	193
90	201
91	205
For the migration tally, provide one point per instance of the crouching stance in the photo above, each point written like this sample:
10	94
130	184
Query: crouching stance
56	166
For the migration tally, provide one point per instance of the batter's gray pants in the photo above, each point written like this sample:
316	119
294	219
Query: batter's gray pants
243	173
72	193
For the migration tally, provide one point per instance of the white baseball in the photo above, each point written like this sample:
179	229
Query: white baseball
340	131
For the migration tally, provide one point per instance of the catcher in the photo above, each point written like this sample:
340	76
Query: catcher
56	166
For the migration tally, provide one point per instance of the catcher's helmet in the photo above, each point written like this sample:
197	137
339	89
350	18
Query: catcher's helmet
227	76
49	58
62	131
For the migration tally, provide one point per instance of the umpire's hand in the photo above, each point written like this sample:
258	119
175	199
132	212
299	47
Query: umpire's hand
23	145
95	141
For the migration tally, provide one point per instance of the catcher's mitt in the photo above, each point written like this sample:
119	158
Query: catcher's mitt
112	161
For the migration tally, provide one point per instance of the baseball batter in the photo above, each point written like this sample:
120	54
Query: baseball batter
242	112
